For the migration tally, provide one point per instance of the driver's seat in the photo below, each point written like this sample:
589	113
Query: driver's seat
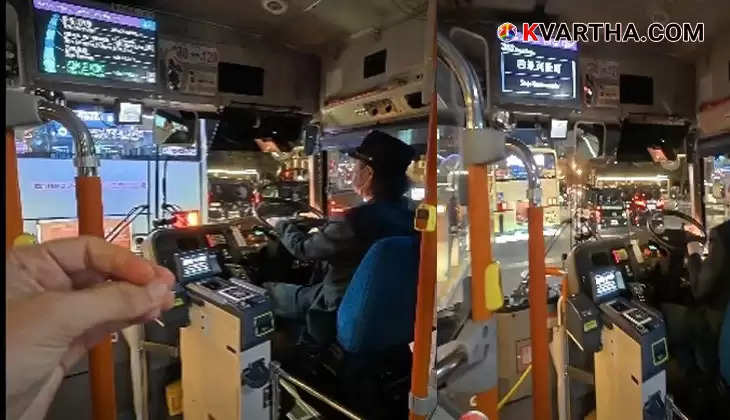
375	323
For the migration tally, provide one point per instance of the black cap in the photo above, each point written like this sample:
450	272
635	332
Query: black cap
384	153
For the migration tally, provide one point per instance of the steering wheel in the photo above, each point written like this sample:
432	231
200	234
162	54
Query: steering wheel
282	208
674	239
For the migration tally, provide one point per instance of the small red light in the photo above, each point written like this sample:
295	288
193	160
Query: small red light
186	218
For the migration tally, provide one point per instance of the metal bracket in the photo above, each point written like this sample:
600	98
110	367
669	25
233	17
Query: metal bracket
482	146
152	347
423	406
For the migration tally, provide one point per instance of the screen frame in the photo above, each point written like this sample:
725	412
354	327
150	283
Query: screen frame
495	78
31	55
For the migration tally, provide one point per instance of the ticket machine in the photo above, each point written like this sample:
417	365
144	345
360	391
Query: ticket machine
607	318
226	327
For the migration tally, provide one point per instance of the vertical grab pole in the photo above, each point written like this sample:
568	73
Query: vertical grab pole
537	296
480	233
426	293
480	238
13	210
538	314
91	222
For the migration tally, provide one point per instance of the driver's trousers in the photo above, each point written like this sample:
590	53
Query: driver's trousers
306	305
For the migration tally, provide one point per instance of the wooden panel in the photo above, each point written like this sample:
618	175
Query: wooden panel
210	349
618	377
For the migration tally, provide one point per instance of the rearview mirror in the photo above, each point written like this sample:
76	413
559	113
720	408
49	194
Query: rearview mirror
171	128
589	140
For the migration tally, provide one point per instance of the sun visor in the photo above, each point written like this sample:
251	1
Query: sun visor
253	130
641	142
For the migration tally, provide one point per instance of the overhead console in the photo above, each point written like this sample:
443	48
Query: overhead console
378	78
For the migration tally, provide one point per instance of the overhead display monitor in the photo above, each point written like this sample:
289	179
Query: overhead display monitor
82	43
538	72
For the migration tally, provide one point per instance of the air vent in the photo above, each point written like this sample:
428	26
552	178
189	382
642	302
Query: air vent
415	100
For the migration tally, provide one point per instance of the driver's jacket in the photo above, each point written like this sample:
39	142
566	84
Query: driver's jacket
710	279
338	247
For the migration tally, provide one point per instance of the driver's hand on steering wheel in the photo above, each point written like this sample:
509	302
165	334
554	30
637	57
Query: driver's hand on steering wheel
309	215
694	247
274	221
693	230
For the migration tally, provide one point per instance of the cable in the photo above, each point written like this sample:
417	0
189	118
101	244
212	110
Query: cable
556	235
514	388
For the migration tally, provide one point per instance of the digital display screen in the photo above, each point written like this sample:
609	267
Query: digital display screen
607	282
196	265
215	240
129	113
538	71
80	41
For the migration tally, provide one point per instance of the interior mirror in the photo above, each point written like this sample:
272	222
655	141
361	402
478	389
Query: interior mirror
589	140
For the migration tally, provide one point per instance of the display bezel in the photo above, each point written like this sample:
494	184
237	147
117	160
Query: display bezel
35	54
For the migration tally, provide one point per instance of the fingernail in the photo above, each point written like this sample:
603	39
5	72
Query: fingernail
158	290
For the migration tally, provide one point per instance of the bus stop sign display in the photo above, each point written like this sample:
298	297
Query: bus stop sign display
81	42
538	72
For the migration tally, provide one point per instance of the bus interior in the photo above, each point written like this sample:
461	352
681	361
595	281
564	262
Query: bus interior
639	151
206	120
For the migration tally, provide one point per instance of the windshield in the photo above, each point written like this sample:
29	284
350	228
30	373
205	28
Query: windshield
717	189
513	168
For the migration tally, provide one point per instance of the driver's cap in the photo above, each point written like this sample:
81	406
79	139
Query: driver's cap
384	153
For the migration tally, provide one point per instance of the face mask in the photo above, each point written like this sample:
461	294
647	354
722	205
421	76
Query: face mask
361	179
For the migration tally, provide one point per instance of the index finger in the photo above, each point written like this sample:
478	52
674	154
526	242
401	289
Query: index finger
92	253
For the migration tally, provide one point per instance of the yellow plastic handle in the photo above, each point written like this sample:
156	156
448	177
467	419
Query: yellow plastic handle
24	239
493	289
425	220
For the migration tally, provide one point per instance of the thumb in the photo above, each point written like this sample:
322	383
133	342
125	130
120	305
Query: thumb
118	303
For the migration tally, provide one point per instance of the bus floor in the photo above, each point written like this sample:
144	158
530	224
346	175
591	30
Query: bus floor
515	410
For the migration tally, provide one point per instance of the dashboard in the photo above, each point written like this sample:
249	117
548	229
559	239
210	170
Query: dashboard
607	269
195	252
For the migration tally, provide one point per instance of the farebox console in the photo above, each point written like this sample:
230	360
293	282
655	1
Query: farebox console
630	347
225	335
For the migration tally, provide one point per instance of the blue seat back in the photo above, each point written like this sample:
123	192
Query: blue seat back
379	306
725	346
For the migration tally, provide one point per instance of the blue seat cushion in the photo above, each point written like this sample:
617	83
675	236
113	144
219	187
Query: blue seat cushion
378	309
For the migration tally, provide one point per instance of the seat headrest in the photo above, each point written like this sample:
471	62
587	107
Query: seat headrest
378	309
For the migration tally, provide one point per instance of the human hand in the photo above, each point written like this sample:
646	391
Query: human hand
694	247
58	306
273	221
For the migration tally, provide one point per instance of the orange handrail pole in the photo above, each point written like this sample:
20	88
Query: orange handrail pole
538	315
426	293
480	239
101	357
13	208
